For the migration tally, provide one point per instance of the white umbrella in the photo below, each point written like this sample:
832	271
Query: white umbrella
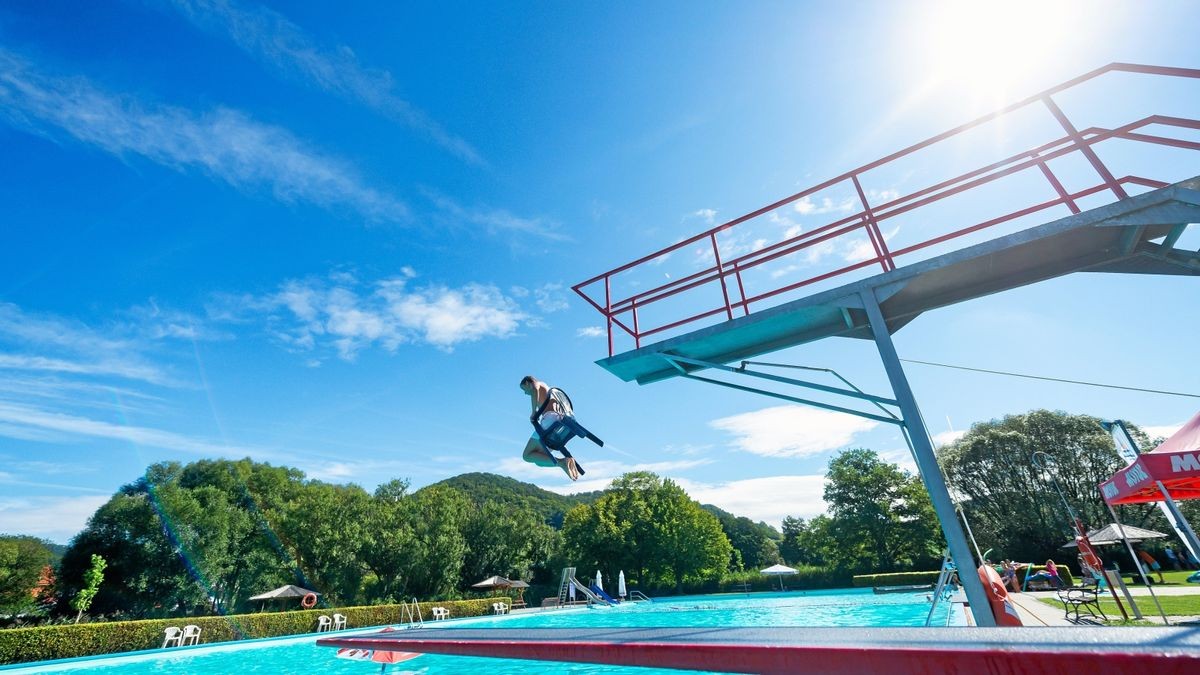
599	581
621	584
779	571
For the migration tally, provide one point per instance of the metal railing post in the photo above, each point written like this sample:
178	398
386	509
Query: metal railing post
721	276
881	247
1085	148
1054	182
608	312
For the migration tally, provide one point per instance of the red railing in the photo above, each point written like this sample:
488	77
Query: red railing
623	313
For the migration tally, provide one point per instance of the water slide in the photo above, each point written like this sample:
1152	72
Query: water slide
601	594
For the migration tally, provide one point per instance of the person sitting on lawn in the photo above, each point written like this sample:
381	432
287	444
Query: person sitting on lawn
1049	574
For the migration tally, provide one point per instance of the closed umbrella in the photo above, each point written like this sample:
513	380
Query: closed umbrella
621	584
599	581
779	571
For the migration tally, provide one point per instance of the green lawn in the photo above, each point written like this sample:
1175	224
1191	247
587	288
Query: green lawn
1173	605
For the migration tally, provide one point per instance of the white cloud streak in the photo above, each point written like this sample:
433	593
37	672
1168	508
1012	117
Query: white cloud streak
791	431
287	49
590	332
495	221
766	499
54	518
350	316
225	144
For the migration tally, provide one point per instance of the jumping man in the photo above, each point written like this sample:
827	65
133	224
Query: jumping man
535	452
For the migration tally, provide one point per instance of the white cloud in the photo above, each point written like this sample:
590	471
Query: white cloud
495	220
223	143
901	457
767	499
792	431
54	518
947	437
282	45
709	216
551	298
805	206
18	416
591	332
80	349
1164	431
350	316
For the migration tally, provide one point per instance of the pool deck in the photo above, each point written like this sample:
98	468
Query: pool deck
898	651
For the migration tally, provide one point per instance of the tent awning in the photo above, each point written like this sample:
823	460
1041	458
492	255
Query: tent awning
1176	463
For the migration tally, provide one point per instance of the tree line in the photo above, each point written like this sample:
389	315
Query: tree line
204	537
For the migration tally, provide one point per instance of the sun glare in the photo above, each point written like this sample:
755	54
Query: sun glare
996	49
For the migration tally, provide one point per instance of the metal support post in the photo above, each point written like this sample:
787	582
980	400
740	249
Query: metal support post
931	473
1181	525
1137	563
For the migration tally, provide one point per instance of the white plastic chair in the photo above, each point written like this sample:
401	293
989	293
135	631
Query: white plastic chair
191	635
172	637
499	608
441	613
324	623
339	622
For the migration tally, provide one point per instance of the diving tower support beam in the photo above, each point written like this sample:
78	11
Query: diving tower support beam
927	465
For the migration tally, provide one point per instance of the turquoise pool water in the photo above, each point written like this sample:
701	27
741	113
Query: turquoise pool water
293	656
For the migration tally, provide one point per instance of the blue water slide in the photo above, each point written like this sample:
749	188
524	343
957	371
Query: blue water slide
601	594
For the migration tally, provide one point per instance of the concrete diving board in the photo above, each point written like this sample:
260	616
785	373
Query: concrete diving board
827	651
1117	238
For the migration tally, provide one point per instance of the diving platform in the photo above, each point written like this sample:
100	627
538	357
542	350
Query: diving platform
802	650
1119	237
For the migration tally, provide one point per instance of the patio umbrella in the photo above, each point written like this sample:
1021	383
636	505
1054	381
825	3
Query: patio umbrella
1111	534
520	586
493	582
599	581
779	571
283	593
621	584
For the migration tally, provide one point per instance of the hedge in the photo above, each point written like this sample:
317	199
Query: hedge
19	645
913	578
895	579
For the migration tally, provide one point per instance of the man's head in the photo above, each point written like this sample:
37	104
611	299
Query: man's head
527	383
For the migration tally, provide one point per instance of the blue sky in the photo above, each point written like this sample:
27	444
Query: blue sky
337	239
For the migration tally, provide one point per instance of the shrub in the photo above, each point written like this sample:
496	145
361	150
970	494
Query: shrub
896	579
19	645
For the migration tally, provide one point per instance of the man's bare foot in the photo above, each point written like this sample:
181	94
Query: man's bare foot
568	465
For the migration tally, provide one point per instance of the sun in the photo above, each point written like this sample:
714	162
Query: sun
994	49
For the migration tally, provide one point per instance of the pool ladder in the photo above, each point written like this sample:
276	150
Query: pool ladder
412	612
948	570
638	596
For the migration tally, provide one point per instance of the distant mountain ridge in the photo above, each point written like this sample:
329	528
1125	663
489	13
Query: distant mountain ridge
482	487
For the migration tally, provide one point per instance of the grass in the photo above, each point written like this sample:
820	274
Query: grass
1173	605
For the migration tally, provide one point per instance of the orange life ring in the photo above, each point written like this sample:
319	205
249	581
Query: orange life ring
1002	608
309	601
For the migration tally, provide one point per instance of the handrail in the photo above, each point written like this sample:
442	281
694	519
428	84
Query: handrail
638	596
727	272
413	613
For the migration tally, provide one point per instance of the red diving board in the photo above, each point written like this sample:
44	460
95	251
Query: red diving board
828	651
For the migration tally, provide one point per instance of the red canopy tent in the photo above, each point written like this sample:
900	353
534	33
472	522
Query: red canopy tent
1175	463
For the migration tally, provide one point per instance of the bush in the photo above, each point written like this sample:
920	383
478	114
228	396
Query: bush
19	645
895	579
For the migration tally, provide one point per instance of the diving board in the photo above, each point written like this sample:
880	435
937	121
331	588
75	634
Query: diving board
1117	237
1139	232
823	651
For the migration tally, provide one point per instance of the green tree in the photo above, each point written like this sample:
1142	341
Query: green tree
805	542
323	528
505	542
650	528
91	585
22	561
879	516
1012	506
388	540
437	515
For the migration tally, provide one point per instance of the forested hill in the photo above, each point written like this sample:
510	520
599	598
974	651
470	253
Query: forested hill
489	487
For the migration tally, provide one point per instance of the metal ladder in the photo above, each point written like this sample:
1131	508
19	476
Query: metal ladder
413	613
948	570
638	596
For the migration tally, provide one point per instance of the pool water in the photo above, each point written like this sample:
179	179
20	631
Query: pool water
296	655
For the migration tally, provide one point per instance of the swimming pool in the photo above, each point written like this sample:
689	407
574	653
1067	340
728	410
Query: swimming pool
295	655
